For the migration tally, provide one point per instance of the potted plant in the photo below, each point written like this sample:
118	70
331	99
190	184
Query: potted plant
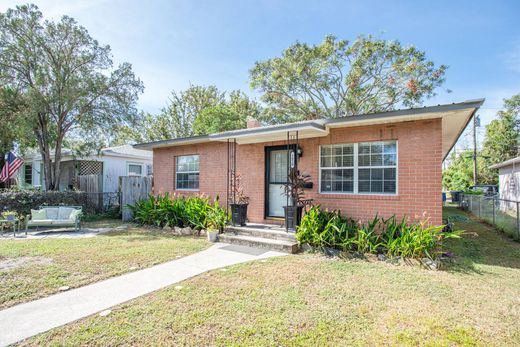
239	203
212	234
9	215
216	221
294	189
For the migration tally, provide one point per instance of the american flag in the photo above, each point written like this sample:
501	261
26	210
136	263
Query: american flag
11	165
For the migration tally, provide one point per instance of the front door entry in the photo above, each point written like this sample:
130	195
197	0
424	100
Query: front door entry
276	161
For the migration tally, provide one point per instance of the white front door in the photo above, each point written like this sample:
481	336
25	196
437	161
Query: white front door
276	170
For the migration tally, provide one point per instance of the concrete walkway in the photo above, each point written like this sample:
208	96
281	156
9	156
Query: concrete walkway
26	320
62	233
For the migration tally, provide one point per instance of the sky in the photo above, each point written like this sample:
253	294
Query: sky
171	44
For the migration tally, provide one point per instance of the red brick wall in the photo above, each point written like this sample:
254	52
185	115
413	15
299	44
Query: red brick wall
419	171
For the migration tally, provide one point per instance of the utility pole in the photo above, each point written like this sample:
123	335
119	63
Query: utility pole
476	123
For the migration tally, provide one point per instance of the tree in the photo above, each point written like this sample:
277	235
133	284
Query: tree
240	103
178	116
147	127
336	78
15	129
218	118
197	110
67	78
231	114
502	140
459	175
11	106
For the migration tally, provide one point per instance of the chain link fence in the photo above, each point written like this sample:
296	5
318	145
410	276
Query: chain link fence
503	214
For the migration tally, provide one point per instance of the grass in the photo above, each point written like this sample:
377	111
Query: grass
312	300
47	264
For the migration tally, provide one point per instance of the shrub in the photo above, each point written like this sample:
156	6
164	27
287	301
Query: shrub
166	210
22	201
217	217
321	228
473	192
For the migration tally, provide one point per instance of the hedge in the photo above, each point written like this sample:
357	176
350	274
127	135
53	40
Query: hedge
23	201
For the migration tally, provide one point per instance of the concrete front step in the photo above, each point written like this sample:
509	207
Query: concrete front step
263	232
260	242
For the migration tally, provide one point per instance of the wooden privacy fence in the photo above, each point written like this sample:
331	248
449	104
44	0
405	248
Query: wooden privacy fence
133	188
93	186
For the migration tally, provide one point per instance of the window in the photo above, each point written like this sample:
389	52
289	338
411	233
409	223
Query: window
365	168
135	169
187	172
337	173
28	174
377	167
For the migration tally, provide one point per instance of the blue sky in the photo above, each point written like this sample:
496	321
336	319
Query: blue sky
174	43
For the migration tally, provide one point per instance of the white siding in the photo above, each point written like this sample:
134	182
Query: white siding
36	167
114	167
509	182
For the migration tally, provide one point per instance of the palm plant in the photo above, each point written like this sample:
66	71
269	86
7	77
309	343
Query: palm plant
295	187
321	228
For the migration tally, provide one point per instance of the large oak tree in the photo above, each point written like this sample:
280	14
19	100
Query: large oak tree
67	78
339	78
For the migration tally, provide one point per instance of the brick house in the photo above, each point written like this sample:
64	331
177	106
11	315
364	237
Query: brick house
386	163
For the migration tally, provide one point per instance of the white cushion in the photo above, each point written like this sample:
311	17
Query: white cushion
64	212
74	215
52	212
62	222
40	222
38	214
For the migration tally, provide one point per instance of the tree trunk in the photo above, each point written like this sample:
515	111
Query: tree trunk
57	162
42	136
2	162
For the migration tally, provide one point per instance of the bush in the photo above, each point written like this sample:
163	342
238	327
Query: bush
321	228
23	201
473	192
217	217
165	210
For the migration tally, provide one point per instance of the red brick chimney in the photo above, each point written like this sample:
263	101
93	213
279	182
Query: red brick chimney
253	123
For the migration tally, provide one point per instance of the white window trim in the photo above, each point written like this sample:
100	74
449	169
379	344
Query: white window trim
25	176
186	172
356	169
128	163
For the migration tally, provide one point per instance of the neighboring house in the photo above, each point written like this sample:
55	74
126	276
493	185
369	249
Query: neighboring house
384	163
509	179
111	163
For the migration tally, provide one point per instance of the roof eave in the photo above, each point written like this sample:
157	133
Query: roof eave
172	142
406	112
506	163
321	127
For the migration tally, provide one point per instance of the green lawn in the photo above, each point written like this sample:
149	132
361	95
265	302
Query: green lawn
42	266
312	300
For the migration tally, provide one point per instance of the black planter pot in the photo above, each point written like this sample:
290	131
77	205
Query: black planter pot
238	214
293	216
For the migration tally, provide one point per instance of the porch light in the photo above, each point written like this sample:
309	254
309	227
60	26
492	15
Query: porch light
300	152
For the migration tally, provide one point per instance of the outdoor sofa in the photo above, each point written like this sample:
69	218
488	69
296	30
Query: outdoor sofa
55	216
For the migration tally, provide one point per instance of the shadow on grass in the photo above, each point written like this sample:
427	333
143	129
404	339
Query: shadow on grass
481	244
145	234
